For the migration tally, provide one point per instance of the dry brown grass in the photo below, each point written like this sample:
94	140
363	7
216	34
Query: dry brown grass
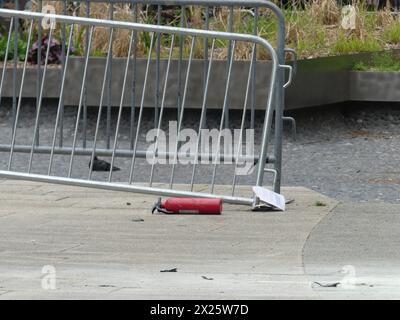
326	12
313	31
384	18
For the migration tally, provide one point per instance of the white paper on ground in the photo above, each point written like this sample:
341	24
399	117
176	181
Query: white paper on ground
271	198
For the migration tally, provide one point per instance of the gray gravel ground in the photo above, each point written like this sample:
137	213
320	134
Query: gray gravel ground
348	151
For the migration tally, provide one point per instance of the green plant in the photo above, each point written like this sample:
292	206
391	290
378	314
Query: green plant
392	33
352	44
78	40
360	66
386	61
22	45
98	54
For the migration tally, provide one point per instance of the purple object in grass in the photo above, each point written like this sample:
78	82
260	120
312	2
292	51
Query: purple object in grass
54	53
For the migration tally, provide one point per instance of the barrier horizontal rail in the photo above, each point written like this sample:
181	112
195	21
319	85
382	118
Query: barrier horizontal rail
125	153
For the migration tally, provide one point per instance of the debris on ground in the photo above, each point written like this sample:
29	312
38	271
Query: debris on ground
327	285
106	286
101	165
170	270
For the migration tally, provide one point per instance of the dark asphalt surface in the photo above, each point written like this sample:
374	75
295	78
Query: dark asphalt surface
348	151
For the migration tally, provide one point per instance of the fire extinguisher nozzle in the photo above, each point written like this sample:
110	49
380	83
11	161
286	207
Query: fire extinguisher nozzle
156	206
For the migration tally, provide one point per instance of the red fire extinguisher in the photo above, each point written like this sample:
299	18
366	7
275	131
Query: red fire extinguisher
189	206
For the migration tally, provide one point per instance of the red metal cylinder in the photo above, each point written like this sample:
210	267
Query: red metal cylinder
192	206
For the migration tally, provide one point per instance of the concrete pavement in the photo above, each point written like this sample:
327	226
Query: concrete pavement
108	245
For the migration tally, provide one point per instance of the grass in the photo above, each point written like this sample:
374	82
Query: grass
347	45
392	33
313	30
316	31
387	62
22	44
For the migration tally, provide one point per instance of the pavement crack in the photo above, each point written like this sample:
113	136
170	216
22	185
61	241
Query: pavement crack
334	207
312	230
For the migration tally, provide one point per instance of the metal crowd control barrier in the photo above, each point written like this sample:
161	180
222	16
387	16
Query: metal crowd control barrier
206	6
67	151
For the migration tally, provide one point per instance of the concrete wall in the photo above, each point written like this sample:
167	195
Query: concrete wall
375	86
318	81
195	89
